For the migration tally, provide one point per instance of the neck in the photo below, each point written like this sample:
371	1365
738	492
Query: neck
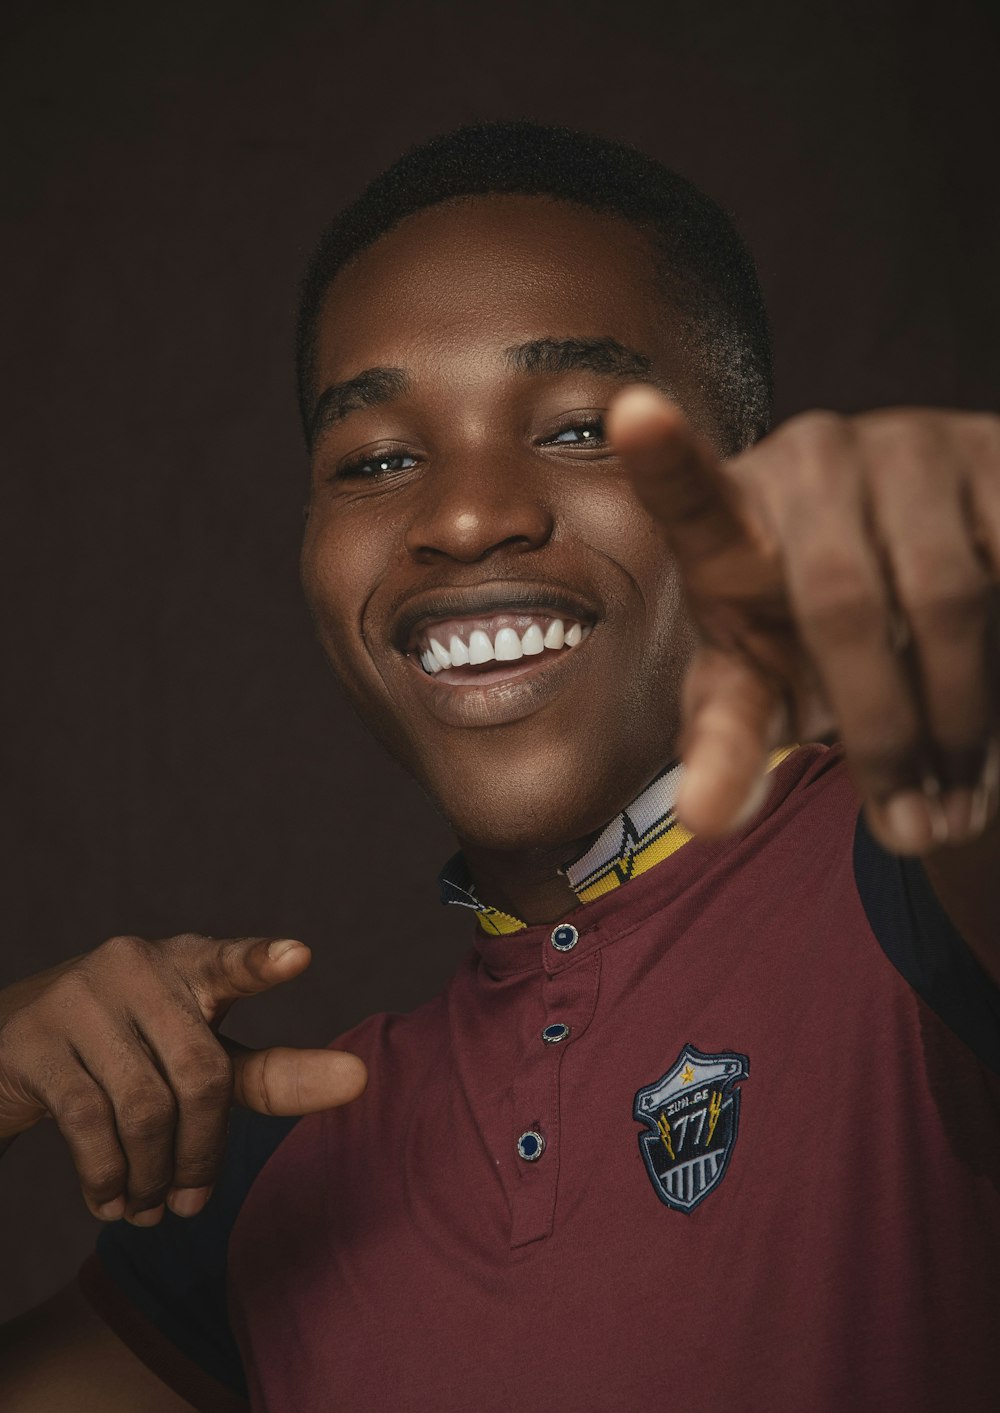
526	883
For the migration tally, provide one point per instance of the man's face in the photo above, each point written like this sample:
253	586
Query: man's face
467	496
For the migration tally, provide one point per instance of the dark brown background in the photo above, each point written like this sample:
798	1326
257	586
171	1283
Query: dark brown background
175	752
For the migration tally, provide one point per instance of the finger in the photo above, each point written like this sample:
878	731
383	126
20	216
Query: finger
145	1116
942	589
677	475
732	718
283	1080
219	972
980	435
841	604
85	1117
199	1073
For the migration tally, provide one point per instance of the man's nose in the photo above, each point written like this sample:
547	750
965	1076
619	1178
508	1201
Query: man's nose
466	509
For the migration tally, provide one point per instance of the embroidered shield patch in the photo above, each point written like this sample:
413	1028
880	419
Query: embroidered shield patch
692	1113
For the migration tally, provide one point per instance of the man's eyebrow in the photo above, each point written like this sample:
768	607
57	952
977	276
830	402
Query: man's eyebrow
591	355
373	386
369	388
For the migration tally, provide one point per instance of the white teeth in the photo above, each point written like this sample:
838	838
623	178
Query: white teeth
480	647
554	634
440	653
508	645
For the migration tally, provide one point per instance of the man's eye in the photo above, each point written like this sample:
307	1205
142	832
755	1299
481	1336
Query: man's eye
580	433
381	464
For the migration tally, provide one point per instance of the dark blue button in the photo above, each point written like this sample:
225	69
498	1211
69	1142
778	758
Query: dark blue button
552	1034
564	937
530	1146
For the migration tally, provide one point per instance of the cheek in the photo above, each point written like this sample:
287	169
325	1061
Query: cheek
612	522
335	569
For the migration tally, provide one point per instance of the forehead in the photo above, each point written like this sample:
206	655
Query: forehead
478	274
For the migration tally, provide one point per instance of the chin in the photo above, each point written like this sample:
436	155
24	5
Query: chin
556	804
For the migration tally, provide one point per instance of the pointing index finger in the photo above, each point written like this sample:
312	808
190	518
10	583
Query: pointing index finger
677	474
224	970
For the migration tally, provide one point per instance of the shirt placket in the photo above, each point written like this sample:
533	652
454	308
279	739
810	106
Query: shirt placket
569	994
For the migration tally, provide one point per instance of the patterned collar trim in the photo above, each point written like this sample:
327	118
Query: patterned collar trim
456	885
644	834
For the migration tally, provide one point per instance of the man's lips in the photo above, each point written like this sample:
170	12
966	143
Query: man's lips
497	693
518	641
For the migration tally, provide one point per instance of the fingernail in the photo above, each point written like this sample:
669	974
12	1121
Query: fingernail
187	1201
148	1218
279	948
112	1211
908	818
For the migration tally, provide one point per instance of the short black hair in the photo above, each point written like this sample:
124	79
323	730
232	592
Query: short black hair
704	268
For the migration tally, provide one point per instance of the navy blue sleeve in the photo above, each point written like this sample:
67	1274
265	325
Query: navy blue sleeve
174	1274
924	945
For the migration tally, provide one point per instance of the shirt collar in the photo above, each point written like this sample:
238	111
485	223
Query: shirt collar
645	833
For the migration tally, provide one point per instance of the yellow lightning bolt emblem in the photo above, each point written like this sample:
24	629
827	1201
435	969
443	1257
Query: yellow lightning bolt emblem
663	1124
714	1110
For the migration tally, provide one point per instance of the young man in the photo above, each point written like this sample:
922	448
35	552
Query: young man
708	1117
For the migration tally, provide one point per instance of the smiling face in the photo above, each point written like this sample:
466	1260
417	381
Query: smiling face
497	603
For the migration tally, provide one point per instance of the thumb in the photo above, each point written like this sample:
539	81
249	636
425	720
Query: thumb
283	1080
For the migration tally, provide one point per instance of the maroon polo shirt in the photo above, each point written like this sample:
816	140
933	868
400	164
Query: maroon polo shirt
727	1138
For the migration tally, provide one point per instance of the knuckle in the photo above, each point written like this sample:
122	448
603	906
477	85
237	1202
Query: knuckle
902	428
105	1180
186	941
807	444
818	426
16	1031
204	1079
945	609
836	603
83	1108
906	434
115	959
72	988
886	764
187	953
124	948
141	1197
259	1081
197	1170
983	430
926	568
147	1116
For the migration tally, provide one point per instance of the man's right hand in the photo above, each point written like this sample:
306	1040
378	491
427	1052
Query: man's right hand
120	1047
